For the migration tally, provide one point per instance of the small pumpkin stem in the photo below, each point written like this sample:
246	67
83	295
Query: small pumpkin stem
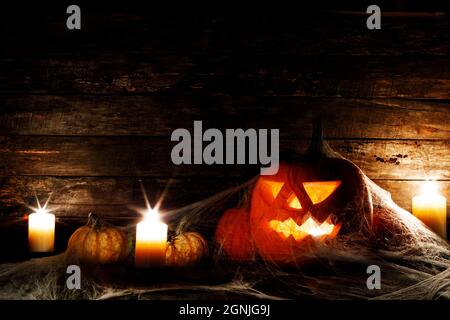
94	221
171	238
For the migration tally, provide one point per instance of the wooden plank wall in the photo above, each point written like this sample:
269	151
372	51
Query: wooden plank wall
88	113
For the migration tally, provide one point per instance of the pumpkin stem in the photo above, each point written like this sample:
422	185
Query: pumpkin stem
94	221
317	143
319	146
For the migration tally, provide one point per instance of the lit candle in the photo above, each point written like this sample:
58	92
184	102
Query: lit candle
41	231
431	208
151	242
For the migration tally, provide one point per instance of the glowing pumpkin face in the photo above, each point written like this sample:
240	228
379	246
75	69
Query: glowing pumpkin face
317	192
315	198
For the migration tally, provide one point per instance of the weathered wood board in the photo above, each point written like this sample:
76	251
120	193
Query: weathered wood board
87	114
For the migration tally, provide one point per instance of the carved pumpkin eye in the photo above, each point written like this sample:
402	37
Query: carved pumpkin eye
275	188
270	190
319	191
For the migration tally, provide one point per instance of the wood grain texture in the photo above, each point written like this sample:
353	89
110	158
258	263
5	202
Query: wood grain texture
308	55
229	74
87	114
120	196
110	196
304	33
159	115
150	156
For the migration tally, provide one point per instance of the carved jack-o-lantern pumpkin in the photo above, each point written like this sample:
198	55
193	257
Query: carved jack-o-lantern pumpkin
311	199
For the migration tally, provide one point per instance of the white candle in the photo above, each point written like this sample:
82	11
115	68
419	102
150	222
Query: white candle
151	242
41	231
431	208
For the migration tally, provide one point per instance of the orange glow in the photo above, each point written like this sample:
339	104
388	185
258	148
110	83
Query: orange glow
270	189
293	202
317	191
275	188
310	227
320	190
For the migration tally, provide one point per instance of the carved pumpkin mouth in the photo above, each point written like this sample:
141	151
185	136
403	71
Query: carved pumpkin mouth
310	227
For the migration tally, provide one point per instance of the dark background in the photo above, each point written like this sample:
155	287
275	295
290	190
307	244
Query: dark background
86	114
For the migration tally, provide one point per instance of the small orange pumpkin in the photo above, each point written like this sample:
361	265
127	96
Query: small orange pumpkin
186	250
98	243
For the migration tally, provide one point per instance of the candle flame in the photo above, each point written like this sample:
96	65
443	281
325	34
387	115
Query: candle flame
41	209
152	215
429	187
